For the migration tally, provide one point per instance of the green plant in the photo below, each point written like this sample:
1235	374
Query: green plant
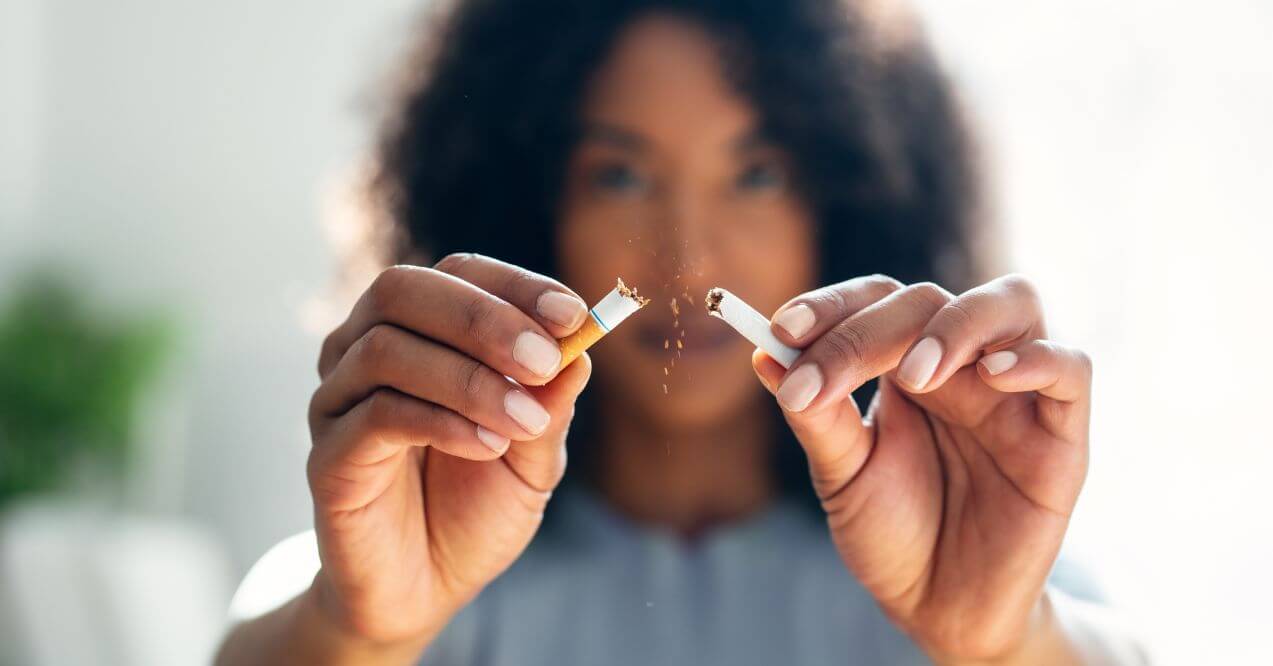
70	383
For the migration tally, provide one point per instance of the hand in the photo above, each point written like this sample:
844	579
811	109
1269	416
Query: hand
950	499
438	435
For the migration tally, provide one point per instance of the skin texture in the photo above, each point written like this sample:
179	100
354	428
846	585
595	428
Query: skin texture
674	189
948	500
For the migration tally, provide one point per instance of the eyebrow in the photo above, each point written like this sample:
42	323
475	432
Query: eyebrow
627	139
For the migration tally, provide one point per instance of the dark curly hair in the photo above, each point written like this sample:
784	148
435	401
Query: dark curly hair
473	157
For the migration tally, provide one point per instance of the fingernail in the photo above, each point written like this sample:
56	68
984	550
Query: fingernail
536	353
796	320
493	440
918	366
999	361
561	308
800	388
526	412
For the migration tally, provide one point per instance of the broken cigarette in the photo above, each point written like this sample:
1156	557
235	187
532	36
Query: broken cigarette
751	324
610	311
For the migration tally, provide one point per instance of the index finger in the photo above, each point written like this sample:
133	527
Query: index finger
860	348
806	317
461	315
553	305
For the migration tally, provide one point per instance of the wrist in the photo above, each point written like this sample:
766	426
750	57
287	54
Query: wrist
339	641
1040	642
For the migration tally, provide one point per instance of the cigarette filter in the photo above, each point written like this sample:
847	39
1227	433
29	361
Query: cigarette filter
751	324
610	311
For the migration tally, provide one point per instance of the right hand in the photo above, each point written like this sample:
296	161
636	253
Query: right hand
420	499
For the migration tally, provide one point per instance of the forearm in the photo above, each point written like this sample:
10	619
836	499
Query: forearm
301	632
1066	631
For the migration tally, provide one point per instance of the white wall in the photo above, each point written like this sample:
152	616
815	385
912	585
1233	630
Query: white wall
21	92
175	153
1133	153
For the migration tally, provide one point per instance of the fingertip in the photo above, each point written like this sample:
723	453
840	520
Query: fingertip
581	369
568	383
792	322
768	370
565	312
998	362
494	441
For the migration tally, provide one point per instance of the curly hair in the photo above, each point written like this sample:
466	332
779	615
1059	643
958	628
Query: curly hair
473	157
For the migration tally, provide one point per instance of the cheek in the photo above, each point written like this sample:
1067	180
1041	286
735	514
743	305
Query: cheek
591	252
780	257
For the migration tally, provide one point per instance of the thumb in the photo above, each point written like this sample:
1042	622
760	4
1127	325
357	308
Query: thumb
835	438
541	462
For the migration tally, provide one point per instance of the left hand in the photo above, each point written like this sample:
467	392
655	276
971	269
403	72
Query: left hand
949	500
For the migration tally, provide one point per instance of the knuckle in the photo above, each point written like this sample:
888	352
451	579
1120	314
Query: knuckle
928	294
883	284
834	300
955	316
315	412
848	343
1084	362
327	355
387	288
470	381
1020	285
379	408
479	319
375	346
454	262
520	280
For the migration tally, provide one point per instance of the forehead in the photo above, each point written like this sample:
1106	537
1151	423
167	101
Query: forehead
664	80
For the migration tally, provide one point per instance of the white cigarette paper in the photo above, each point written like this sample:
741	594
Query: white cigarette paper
615	306
622	302
751	324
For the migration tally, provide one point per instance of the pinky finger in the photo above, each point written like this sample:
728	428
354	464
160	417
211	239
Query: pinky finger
1053	370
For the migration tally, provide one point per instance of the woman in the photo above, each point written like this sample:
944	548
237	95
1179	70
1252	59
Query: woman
766	147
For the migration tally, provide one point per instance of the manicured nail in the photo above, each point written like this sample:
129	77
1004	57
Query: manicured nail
918	366
493	440
796	320
526	412
536	353
561	308
1000	361
800	387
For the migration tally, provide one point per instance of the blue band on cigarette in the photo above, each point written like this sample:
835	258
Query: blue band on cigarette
597	319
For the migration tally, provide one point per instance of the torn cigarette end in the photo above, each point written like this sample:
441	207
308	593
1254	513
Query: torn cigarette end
622	302
750	323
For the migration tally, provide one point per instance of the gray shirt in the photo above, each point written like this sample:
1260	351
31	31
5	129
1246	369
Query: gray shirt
594	588
600	590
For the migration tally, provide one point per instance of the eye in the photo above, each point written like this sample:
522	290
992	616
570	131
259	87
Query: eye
761	176
618	179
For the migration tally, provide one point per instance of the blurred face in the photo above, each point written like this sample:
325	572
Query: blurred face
673	189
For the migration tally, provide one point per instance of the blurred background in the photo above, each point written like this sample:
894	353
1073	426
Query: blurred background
172	175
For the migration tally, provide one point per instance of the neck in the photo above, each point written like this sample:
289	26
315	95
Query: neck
686	479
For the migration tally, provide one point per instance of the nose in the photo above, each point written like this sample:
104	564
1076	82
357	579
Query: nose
687	256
